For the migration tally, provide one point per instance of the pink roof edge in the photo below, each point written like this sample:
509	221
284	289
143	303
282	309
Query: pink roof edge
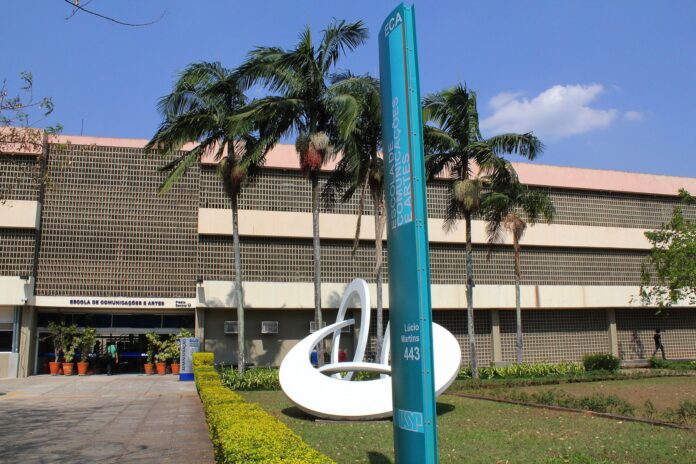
284	156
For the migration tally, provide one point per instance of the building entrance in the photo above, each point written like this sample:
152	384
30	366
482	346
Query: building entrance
127	331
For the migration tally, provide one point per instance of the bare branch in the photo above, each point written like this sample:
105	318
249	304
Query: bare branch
75	4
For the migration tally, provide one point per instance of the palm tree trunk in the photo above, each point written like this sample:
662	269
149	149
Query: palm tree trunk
378	203
470	298
518	305
317	263
239	291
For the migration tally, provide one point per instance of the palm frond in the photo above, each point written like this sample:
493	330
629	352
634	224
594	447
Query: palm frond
267	66
536	204
340	37
526	145
177	168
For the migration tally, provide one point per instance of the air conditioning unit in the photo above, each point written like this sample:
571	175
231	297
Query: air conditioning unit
313	326
231	327
269	327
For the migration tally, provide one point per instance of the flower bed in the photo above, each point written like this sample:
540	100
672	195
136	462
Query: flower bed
525	370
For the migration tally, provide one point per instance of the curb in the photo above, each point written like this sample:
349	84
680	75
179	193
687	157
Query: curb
584	412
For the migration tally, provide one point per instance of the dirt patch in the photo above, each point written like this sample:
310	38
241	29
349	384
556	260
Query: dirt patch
664	392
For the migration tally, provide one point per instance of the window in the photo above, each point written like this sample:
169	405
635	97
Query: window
144	321
182	321
5	340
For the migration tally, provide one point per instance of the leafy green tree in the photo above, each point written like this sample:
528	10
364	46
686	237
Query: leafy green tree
455	148
511	207
202	108
361	169
673	260
302	105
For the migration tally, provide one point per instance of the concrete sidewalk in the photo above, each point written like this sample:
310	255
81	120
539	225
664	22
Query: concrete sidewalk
118	419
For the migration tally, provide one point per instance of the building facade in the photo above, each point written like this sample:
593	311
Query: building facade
87	239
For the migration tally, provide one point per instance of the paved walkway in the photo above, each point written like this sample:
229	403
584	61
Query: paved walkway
118	419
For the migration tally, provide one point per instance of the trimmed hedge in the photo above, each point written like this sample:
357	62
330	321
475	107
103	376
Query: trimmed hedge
242	432
601	362
203	359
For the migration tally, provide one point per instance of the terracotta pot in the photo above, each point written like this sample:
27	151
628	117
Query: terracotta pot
68	368
55	367
175	368
82	368
161	368
149	368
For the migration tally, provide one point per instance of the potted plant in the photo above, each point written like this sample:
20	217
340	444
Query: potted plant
61	336
152	344
175	349
162	357
86	343
69	355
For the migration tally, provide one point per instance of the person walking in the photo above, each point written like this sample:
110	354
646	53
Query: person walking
658	344
111	357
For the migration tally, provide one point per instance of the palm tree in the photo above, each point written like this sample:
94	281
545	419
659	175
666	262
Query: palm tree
361	168
505	208
200	109
302	105
455	147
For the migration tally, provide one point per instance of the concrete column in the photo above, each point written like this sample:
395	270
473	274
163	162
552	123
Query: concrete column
613	334
13	364
27	341
495	335
199	331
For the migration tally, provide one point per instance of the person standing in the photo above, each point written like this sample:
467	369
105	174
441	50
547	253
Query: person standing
111	357
658	344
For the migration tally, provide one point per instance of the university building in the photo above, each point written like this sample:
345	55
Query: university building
97	246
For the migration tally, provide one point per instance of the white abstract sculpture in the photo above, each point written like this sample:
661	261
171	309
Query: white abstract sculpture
325	393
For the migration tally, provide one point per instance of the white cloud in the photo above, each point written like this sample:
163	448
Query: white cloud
557	112
633	116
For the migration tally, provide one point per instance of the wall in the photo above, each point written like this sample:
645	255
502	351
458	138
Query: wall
107	232
4	365
555	336
293	325
636	328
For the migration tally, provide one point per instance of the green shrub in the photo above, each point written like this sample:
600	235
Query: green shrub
361	376
525	370
657	363
243	432
259	378
601	362
684	414
604	403
649	410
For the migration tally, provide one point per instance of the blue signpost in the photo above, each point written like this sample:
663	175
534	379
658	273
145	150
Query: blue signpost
415	428
188	346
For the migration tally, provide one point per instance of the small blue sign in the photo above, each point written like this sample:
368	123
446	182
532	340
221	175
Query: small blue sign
413	388
187	346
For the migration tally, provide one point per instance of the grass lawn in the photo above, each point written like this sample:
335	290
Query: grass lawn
664	392
475	431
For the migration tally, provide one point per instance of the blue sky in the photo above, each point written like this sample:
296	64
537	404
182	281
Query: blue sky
606	85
